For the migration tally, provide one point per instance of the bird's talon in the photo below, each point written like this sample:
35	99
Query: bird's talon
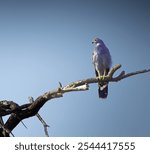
102	77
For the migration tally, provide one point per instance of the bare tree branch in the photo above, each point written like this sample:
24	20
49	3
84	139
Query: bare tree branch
44	124
31	100
18	113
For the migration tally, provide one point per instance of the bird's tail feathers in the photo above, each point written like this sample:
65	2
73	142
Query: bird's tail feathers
103	91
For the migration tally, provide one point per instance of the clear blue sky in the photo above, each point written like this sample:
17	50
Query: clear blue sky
45	42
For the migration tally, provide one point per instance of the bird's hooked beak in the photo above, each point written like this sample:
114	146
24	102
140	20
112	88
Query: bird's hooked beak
93	41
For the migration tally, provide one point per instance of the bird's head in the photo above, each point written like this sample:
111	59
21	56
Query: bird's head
97	41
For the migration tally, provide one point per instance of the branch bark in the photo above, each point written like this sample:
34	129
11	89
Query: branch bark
18	113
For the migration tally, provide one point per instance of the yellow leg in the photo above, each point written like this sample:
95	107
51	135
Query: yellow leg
100	76
104	74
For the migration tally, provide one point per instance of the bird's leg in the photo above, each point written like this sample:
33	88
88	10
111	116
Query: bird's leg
103	76
100	76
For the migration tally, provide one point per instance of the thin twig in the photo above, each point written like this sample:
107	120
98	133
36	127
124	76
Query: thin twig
44	124
31	100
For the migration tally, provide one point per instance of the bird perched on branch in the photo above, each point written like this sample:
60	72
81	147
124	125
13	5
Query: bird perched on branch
102	62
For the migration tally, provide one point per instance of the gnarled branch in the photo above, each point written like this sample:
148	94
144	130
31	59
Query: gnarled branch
18	113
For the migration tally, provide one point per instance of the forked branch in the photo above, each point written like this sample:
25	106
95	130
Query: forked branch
18	113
